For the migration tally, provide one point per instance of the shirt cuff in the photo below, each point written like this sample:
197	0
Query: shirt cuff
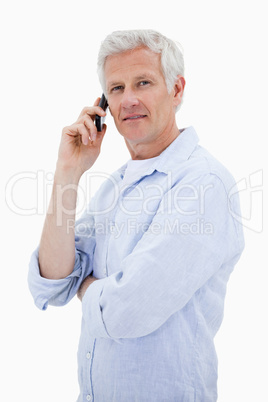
57	292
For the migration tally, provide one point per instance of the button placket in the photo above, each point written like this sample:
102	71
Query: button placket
110	233
88	356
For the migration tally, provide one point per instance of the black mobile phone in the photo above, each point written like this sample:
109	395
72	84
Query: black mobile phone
99	120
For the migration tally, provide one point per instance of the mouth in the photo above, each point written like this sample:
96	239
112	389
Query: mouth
134	117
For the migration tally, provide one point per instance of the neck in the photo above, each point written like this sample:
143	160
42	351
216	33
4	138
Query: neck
150	149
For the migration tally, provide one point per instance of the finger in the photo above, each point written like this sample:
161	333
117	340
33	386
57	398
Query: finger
97	101
78	129
100	135
84	134
98	110
91	111
88	122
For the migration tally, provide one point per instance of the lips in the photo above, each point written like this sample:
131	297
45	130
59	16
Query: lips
134	117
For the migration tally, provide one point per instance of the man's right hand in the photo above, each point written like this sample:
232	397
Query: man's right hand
79	149
80	142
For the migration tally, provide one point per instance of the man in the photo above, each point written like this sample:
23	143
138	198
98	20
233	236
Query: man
151	256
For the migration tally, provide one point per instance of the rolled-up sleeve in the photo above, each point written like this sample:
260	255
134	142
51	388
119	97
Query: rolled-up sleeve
188	241
58	292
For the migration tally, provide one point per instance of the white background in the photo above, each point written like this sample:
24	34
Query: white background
48	74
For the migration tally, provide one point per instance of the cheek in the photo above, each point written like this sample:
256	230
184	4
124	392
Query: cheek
161	109
113	108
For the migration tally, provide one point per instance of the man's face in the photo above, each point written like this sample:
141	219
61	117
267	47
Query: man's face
139	102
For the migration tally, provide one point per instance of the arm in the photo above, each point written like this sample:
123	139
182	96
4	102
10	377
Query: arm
79	149
168	267
85	284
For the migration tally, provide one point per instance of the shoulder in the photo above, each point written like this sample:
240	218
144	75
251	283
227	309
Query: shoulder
209	177
201	165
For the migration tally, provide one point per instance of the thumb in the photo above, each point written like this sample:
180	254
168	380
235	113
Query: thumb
100	135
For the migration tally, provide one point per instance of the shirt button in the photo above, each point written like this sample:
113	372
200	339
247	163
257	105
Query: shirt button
89	398
88	355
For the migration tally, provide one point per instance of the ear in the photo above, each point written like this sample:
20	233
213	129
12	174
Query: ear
178	90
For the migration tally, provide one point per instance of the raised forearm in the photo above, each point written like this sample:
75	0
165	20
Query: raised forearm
79	149
57	246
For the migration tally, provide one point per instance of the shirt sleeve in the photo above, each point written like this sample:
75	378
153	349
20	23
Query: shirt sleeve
58	292
191	237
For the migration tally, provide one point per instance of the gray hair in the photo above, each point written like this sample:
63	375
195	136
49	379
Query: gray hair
121	41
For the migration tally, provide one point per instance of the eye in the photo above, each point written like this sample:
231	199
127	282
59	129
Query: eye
143	83
117	88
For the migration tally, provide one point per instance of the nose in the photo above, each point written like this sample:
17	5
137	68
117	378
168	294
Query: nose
129	99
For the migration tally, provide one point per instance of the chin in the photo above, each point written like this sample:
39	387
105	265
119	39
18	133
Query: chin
134	135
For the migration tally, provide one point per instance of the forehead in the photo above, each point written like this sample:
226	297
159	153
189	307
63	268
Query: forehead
140	61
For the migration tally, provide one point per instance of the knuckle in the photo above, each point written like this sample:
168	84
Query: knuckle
85	119
65	129
88	121
80	127
85	110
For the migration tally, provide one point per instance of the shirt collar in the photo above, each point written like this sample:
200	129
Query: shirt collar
178	151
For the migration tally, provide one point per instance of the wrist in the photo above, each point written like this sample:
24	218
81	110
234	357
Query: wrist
66	175
85	285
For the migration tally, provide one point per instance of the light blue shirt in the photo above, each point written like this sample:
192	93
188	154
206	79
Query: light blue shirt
163	248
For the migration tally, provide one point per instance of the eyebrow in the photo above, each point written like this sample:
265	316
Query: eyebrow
145	76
